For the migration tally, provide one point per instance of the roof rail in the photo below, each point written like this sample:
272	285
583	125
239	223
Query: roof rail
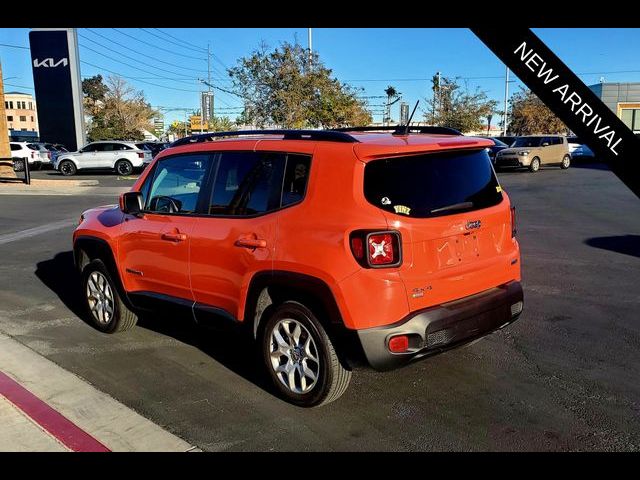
401	129
322	135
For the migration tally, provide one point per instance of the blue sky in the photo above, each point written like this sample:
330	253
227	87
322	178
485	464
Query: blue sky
367	58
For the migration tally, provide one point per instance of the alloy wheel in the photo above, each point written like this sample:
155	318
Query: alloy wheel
294	356
100	297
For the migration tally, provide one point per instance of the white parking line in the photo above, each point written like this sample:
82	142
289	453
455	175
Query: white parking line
32	232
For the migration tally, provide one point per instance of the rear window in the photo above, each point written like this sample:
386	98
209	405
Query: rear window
432	185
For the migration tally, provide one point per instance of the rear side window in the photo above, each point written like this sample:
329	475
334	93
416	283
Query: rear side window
432	185
247	183
295	179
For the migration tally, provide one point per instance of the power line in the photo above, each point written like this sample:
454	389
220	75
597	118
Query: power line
172	42
13	46
139	53
184	41
159	48
125	56
19	86
141	81
127	64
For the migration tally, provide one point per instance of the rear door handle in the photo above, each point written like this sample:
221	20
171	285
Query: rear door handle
174	237
251	243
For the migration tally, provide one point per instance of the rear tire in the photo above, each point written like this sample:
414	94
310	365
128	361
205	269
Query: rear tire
534	166
105	308
300	357
124	168
67	168
566	162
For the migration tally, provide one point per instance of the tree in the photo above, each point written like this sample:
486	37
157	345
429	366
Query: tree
529	116
121	113
458	107
285	88
94	88
222	124
391	94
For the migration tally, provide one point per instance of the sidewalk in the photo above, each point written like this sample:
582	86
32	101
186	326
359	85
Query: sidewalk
46	408
46	187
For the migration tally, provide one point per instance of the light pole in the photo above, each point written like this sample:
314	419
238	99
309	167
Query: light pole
506	106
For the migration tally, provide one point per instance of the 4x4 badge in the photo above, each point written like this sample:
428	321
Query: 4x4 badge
473	224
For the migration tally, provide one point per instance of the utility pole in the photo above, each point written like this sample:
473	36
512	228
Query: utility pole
506	106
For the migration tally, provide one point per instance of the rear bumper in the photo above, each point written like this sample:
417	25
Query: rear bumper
436	329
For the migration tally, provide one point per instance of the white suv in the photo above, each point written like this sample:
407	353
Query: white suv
34	153
122	157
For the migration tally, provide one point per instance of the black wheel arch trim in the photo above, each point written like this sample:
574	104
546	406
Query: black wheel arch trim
98	248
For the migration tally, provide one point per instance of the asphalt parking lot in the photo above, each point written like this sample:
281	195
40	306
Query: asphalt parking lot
564	377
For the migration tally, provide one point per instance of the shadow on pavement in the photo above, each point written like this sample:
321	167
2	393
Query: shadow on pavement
625	244
59	274
226	344
589	164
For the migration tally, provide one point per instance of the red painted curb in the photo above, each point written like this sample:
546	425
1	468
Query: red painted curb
53	422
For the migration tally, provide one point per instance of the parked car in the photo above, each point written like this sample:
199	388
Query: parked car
33	153
56	149
153	147
120	156
407	259
534	151
495	148
507	140
574	142
583	153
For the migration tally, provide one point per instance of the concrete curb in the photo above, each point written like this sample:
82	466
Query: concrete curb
116	426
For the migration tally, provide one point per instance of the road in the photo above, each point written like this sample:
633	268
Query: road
564	377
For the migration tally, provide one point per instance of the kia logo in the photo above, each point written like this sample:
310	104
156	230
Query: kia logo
50	62
473	224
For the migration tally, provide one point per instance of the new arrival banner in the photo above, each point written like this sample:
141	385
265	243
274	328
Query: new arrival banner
569	98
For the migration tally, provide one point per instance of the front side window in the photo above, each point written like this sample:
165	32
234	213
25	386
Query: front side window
247	183
176	184
15	147
90	148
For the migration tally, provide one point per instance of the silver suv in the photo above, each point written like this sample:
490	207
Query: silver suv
122	157
33	153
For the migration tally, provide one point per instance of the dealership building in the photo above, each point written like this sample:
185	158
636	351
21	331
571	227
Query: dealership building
623	99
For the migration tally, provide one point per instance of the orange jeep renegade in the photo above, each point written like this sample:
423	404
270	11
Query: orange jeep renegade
334	248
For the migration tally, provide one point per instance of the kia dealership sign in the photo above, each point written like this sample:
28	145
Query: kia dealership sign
56	78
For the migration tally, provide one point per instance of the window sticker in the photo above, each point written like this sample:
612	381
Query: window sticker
385	201
402	209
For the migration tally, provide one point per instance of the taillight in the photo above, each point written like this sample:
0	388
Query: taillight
140	155
376	249
513	222
48	154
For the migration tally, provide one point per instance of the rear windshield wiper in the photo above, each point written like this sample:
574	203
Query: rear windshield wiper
454	206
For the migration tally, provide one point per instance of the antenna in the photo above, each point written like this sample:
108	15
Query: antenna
406	129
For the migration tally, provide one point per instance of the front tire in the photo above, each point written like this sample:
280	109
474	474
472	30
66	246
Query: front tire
124	168
67	168
105	308
566	162
301	359
534	166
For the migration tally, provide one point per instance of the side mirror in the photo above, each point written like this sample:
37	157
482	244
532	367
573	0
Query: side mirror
131	203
